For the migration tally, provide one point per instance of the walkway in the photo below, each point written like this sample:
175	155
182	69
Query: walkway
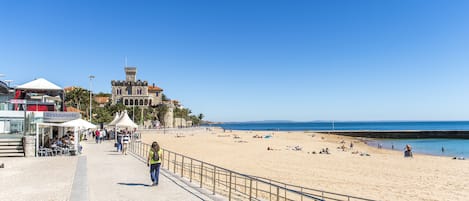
99	174
113	176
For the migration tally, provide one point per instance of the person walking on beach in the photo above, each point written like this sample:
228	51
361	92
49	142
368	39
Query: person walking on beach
154	161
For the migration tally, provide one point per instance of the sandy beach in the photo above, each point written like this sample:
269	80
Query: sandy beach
383	175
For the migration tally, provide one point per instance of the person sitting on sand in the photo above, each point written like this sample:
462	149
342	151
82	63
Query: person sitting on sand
408	151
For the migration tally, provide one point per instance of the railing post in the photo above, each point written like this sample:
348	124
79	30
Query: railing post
250	189
175	162
201	171
169	158
270	189
191	171
278	193
214	178
245	185
162	158
229	189
301	190
285	191
235	184
182	166
256	188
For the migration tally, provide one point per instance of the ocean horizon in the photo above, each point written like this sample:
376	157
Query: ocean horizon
452	147
347	125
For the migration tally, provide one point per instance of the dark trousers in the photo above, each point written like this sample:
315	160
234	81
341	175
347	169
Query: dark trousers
155	172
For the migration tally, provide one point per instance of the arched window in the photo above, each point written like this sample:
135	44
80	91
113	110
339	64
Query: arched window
126	102
141	102
150	102
131	102
146	101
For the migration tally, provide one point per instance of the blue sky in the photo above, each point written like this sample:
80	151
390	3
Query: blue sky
255	60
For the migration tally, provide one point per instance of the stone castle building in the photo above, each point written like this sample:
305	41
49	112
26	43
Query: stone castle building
133	92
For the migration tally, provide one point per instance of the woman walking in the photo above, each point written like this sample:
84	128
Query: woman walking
154	161
125	143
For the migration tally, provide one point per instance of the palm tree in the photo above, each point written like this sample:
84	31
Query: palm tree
201	116
79	98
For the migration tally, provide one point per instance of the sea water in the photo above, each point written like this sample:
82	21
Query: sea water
451	147
344	125
438	147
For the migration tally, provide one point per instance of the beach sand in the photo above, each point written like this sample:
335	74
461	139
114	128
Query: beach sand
384	175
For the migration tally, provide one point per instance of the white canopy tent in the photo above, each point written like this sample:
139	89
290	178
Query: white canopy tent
125	121
77	124
40	84
117	116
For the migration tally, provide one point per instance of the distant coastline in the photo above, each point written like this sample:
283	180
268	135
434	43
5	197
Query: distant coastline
348	126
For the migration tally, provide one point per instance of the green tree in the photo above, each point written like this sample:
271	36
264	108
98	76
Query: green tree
78	97
201	116
165	98
161	111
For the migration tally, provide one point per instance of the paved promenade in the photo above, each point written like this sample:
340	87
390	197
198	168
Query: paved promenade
99	174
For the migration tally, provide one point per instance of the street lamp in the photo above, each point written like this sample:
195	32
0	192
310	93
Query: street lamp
8	82
91	106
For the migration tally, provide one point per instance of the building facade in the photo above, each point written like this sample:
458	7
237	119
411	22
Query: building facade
133	92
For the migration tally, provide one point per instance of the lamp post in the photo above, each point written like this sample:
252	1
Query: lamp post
8	82
91	106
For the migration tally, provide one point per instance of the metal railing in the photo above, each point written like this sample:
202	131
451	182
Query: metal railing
232	184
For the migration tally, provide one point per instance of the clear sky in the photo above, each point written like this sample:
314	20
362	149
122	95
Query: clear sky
245	60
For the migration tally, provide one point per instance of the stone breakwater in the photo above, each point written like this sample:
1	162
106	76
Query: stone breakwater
402	134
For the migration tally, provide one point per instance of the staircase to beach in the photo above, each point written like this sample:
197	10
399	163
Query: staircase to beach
11	147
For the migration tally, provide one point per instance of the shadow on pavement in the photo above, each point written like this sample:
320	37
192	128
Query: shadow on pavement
134	184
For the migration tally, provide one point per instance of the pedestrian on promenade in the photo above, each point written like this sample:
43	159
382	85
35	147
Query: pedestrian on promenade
154	161
102	135
125	142
119	141
97	135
